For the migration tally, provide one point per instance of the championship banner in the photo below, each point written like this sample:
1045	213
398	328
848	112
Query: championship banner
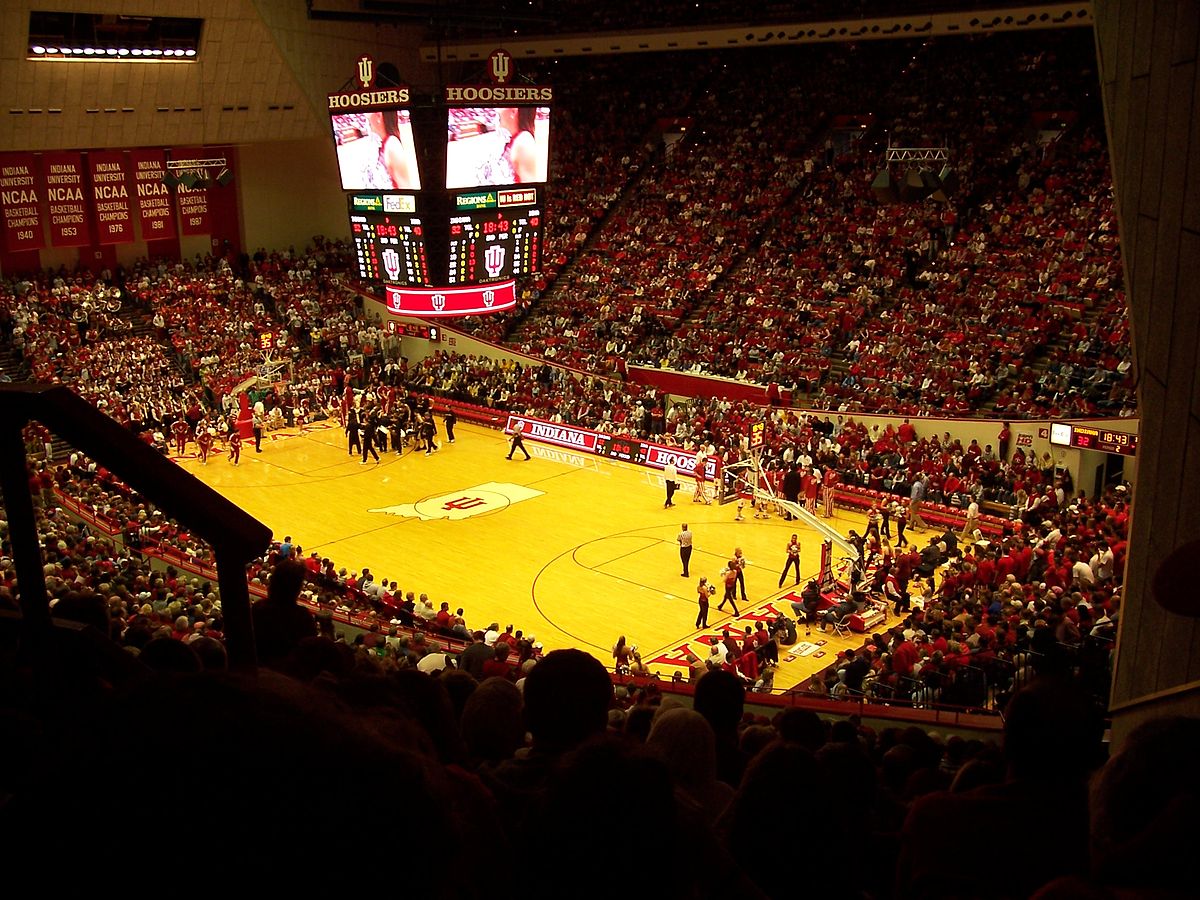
194	215
69	222
20	181
110	193
156	213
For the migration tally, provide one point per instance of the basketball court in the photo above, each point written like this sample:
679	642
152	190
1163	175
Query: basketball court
573	549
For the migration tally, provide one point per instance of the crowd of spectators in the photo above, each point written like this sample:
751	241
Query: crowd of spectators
705	267
553	767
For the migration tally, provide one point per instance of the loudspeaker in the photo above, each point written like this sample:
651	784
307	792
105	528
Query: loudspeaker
913	188
948	179
885	190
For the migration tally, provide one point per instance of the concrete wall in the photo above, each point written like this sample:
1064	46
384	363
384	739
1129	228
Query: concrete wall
1148	68
290	192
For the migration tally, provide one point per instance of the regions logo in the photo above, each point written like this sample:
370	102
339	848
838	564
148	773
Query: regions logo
491	497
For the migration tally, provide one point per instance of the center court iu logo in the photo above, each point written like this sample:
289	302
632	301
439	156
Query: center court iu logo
492	497
493	260
500	66
464	503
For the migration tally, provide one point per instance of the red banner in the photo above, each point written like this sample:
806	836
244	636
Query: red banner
110	193
20	181
194	215
69	223
156	212
453	301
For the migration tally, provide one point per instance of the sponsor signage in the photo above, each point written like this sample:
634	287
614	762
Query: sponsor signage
20	183
643	453
110	194
486	200
391	203
451	301
526	197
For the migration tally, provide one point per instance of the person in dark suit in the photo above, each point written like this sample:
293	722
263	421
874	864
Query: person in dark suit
353	432
791	487
369	432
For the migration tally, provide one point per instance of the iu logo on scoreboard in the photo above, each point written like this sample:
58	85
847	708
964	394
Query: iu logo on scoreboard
500	66
366	71
438	301
391	263
493	260
489	297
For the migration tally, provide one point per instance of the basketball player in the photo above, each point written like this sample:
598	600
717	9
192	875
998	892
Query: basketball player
257	424
235	447
828	484
810	491
517	444
450	419
700	475
793	559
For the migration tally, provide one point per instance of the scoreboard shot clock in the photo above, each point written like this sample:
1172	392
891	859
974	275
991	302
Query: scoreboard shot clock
445	192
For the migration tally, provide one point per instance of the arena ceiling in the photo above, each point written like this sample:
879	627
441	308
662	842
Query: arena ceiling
264	67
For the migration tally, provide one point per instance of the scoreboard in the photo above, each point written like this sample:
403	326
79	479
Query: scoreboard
446	194
1085	437
389	248
495	244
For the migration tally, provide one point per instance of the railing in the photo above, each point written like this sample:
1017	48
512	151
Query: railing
235	536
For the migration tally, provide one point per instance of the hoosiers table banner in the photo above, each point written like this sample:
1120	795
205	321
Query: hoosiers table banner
110	191
155	210
69	222
20	182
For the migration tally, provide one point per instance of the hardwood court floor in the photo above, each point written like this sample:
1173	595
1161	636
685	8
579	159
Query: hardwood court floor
571	548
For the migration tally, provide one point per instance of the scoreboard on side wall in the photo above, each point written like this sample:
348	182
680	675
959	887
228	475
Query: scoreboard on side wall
1086	437
445	194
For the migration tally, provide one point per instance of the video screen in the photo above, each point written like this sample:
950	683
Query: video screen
376	151
488	145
